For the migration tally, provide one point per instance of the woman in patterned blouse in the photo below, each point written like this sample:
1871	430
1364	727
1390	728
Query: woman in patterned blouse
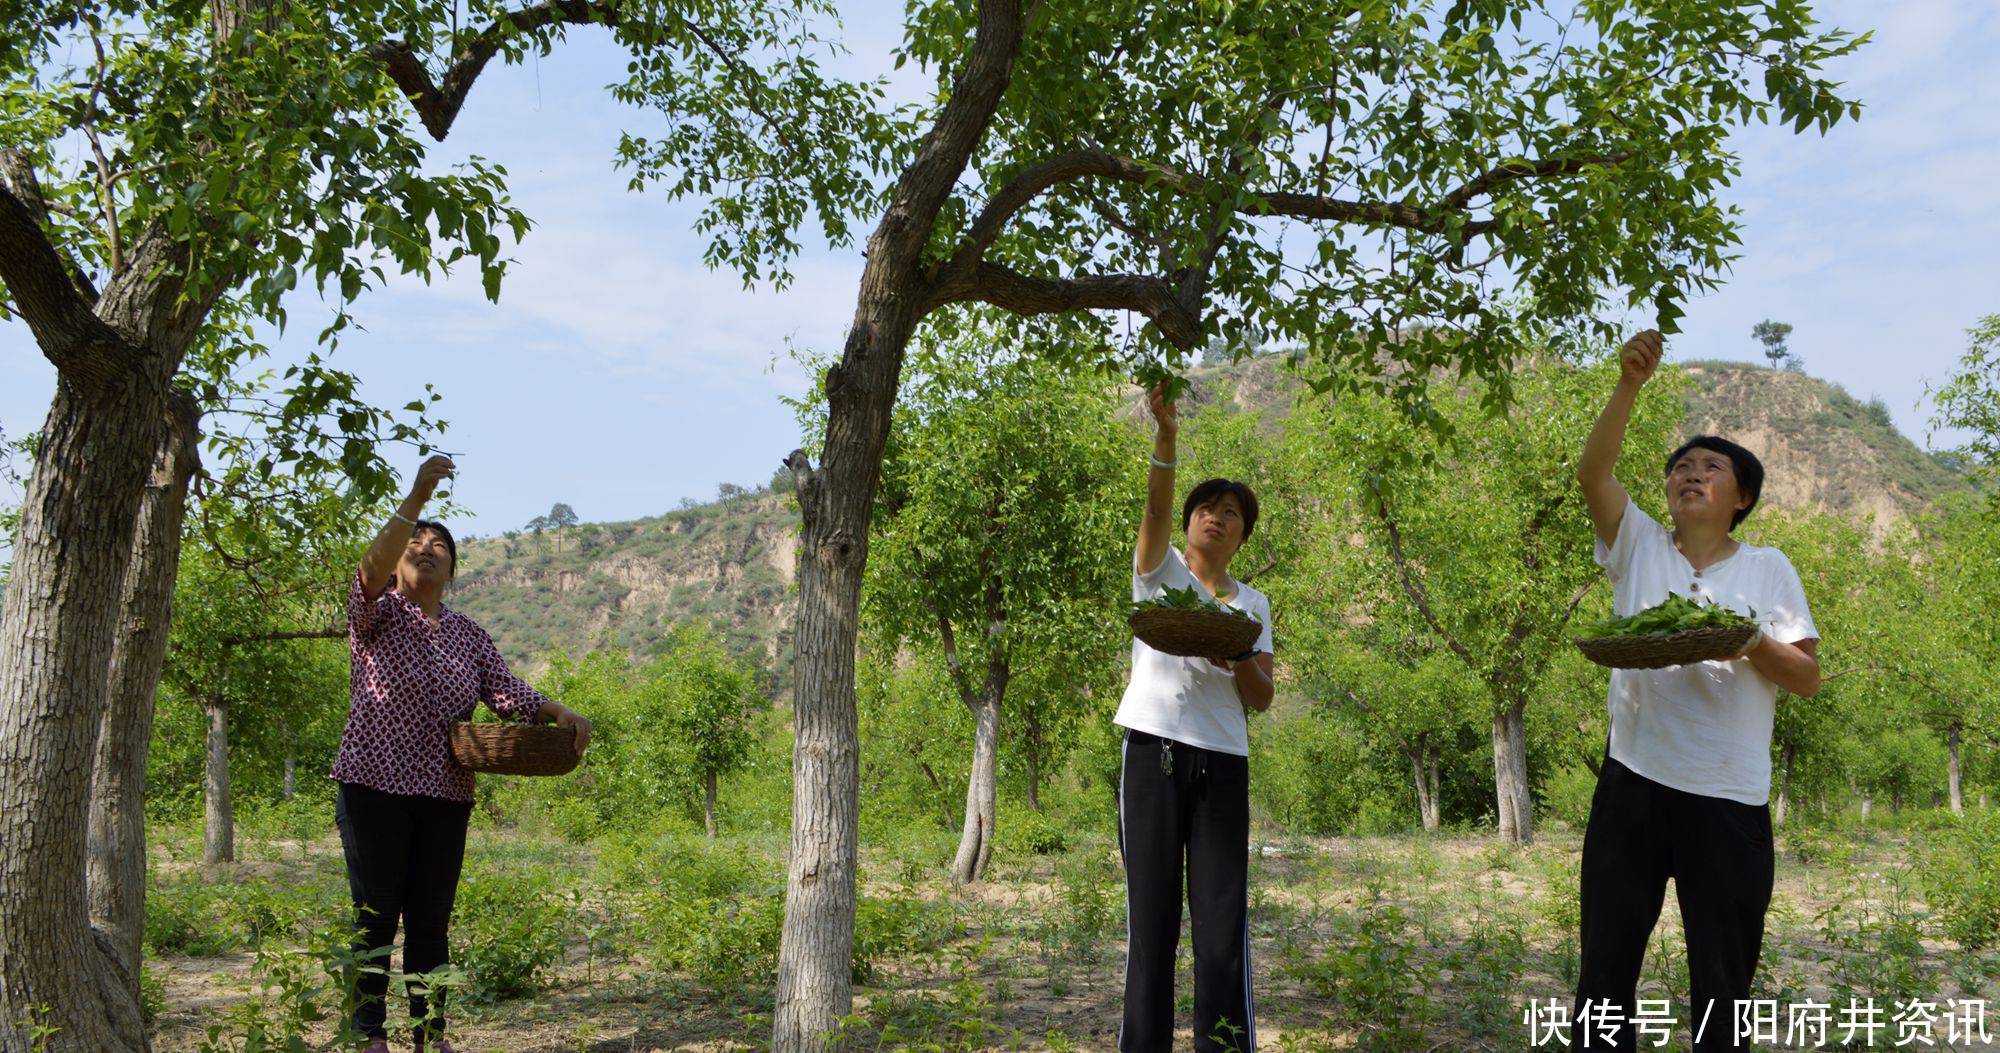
403	802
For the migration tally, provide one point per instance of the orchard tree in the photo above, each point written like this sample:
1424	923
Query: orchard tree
703	693
166	166
1332	175
1002	537
1474	533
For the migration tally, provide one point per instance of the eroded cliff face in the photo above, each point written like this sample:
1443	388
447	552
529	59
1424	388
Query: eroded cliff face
624	584
1819	445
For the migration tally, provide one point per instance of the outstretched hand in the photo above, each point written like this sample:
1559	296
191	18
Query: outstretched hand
1640	358
433	471
1162	407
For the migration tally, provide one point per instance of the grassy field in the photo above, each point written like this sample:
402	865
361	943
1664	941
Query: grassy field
666	941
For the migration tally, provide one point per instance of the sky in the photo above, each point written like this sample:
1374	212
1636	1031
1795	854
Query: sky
618	375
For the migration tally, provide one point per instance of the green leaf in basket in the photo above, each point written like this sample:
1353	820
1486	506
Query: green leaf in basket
1675	614
1188	599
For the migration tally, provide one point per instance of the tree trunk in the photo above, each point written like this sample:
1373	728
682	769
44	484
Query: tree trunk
218	840
1427	803
836	502
975	842
1032	754
1867	805
117	868
1784	803
291	783
58	627
708	802
1952	771
1510	775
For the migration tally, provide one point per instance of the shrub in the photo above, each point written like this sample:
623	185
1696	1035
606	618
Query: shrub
1961	875
187	918
1567	793
1379	984
507	932
1038	832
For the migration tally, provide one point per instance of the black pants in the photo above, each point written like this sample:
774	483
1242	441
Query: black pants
1719	854
403	857
1194	805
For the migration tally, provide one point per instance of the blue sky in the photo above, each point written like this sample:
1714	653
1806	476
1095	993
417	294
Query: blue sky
619	375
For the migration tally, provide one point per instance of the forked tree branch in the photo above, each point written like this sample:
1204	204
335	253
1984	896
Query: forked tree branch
1413	586
438	103
82	347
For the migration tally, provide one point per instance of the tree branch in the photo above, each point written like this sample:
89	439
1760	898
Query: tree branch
1513	171
17	173
438	104
1023	294
81	345
332	632
1413	587
1093	163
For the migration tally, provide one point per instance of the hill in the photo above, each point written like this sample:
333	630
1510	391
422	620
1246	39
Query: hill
732	561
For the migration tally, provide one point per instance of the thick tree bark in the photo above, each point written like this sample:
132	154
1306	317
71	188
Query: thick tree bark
975	841
117	875
1427	787
218	839
1510	775
59	624
708	802
1952	771
815	986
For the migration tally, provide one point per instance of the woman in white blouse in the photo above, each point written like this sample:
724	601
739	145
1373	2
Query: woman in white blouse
1685	784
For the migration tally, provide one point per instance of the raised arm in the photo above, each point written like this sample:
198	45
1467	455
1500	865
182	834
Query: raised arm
1637	363
378	564
1156	526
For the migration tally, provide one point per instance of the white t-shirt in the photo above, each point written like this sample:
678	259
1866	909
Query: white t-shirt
1702	728
1190	700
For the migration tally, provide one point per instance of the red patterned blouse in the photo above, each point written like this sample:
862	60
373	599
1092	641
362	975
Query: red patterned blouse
410	681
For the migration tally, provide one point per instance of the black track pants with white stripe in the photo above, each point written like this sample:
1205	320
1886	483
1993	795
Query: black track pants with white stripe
1193	810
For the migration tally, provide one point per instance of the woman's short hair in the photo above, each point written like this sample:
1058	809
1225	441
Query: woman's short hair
1749	470
444	534
1213	490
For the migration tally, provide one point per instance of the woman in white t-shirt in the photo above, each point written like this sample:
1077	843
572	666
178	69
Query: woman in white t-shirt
1685	784
1184	785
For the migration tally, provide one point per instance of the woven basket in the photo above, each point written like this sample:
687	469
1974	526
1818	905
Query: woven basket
1193	633
514	749
1660	650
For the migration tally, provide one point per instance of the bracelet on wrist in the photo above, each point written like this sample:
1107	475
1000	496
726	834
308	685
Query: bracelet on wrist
1157	463
399	515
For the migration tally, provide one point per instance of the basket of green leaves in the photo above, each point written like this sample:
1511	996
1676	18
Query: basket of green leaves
1184	622
1679	631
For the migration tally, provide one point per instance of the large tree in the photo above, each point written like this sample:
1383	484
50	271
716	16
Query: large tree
164	166
1471	532
1001	540
1333	174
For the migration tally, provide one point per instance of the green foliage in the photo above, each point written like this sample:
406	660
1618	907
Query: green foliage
1970	400
198	919
1376	980
1188	599
1960	869
1674	614
508	931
